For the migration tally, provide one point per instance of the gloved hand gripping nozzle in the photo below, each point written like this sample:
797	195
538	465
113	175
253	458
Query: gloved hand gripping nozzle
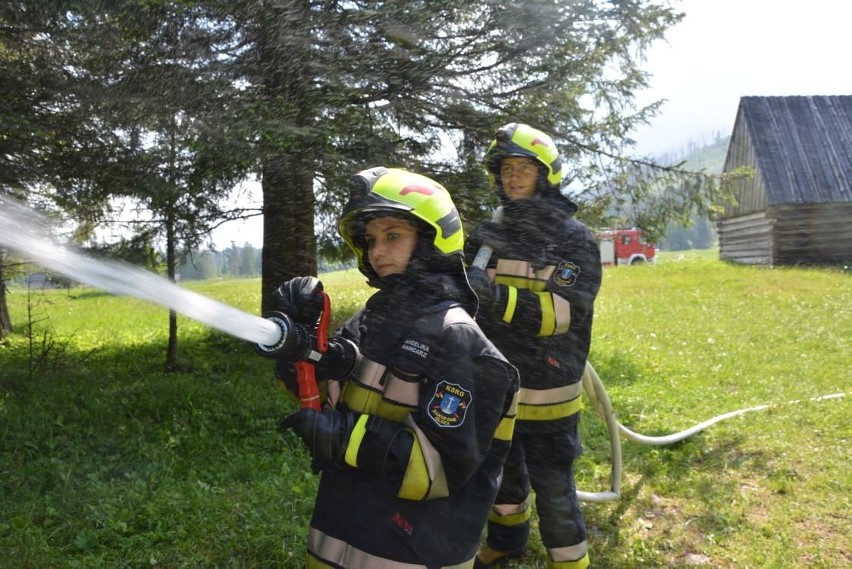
303	312
295	343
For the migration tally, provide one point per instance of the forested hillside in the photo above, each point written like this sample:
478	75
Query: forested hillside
711	159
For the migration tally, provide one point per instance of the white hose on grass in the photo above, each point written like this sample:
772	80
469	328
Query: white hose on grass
595	391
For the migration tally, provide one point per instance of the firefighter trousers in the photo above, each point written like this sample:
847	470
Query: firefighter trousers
543	462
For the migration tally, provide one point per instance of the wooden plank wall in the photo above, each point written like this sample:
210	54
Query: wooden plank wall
750	192
746	239
812	234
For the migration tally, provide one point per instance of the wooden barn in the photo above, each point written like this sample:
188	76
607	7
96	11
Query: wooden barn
797	208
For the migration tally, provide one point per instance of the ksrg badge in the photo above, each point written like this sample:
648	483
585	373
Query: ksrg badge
449	404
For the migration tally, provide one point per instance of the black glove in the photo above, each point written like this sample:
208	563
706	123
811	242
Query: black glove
337	363
301	298
488	291
325	434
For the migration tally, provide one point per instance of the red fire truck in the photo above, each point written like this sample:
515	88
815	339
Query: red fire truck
624	247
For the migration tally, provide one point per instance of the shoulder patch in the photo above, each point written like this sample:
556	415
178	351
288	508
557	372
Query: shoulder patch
449	404
566	273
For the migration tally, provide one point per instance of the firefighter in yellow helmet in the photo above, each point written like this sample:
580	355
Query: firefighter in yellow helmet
420	408
536	303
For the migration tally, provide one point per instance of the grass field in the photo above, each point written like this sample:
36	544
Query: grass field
107	461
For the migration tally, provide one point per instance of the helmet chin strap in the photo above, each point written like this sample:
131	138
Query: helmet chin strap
385	282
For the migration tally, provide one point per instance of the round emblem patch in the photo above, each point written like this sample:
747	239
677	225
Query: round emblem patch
449	404
566	273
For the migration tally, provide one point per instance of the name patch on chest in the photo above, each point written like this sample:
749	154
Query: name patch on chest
448	406
415	347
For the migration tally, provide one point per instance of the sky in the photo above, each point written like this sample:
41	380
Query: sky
726	49
722	50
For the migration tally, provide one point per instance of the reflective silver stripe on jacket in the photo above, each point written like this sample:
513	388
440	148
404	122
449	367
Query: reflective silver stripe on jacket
368	373
529	396
395	389
438	487
341	553
555	310
523	270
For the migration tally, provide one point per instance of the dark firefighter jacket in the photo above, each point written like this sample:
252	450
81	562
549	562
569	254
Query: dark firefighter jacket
549	266
437	403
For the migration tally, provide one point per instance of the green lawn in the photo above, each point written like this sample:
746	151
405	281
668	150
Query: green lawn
107	461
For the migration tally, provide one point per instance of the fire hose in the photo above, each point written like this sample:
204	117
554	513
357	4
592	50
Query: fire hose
597	395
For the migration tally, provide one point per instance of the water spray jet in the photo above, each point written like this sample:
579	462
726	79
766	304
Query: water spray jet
28	233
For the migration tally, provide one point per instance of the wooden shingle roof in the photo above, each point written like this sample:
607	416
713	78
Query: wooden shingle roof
803	146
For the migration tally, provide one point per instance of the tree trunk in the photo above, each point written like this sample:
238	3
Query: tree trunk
171	351
5	319
289	243
289	155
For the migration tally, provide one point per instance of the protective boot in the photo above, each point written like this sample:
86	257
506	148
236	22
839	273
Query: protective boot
582	563
489	557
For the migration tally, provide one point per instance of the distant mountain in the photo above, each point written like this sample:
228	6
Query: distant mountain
711	159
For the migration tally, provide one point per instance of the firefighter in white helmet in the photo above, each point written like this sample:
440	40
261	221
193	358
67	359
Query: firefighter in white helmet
536	304
411	450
